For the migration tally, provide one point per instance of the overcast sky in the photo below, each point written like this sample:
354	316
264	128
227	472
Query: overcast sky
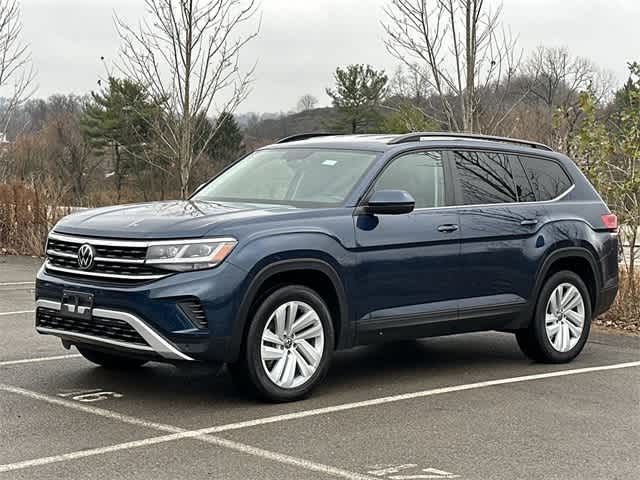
302	41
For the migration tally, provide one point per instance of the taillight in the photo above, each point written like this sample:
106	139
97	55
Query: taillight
610	221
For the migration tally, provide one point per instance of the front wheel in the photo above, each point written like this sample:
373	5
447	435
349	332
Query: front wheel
288	346
561	322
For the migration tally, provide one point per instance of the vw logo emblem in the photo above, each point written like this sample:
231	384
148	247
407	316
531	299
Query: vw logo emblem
86	256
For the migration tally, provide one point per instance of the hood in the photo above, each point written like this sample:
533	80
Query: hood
155	220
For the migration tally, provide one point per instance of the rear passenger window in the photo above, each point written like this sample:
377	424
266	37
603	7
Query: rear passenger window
547	178
523	187
421	174
485	177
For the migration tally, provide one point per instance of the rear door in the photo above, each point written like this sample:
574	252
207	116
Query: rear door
408	265
497	236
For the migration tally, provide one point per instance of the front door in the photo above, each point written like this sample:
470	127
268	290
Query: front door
408	265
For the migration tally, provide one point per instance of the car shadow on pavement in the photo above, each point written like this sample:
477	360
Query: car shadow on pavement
365	368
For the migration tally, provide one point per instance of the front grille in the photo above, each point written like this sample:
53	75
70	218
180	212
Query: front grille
115	261
96	326
193	309
106	251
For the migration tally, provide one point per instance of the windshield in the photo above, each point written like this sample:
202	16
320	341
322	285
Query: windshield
299	177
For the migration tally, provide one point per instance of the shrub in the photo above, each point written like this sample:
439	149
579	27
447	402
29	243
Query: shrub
625	311
26	215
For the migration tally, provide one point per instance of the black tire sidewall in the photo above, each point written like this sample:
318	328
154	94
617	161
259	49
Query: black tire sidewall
258	377
544	345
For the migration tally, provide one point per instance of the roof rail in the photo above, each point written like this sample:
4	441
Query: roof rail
304	136
418	136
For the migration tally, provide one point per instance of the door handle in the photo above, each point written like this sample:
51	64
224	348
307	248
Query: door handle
448	228
529	221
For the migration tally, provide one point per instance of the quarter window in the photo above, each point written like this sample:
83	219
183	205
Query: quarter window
485	177
421	174
547	178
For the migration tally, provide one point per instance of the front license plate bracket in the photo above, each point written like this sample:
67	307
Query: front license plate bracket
76	304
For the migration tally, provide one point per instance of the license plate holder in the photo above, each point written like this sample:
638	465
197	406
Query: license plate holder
76	304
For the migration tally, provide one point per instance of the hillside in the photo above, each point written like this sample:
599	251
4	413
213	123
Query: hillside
259	132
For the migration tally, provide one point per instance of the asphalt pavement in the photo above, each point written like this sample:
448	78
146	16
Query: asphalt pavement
465	406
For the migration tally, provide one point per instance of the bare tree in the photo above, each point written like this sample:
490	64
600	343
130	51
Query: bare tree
69	150
186	54
307	102
559	77
411	83
557	80
16	72
464	50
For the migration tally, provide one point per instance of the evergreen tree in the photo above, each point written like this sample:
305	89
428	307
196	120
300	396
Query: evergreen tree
359	91
117	121
226	144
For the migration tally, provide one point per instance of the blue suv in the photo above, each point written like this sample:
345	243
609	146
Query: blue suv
324	242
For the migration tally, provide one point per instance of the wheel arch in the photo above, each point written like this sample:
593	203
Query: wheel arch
315	273
576	259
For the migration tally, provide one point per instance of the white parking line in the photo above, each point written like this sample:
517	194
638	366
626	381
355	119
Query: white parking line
2	314
89	409
8	284
412	395
178	433
39	359
204	434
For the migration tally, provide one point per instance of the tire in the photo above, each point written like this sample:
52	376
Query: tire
294	360
554	334
111	362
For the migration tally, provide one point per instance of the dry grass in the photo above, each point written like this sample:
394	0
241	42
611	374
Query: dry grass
26	215
27	212
624	314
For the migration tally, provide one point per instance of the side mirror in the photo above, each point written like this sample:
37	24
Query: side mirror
390	202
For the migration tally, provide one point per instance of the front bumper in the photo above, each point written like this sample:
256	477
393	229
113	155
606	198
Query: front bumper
152	310
154	343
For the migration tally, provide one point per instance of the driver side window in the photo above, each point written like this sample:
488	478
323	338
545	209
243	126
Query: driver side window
419	173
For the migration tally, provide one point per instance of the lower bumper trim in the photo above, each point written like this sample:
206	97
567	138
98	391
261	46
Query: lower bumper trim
156	342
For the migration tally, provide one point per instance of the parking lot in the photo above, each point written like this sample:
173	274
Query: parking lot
468	407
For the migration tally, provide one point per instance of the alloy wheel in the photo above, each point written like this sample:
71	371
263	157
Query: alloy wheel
292	344
564	317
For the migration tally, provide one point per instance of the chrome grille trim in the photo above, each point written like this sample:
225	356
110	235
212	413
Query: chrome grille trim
70	271
98	241
56	253
134	243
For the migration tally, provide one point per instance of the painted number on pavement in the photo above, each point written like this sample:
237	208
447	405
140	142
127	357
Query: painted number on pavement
409	471
90	396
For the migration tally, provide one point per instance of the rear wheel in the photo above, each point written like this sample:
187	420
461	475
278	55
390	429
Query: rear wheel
561	322
112	362
288	345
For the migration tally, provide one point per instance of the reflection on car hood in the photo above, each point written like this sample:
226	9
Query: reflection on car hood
167	219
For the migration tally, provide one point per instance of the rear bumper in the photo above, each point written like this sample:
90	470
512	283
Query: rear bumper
605	300
152	310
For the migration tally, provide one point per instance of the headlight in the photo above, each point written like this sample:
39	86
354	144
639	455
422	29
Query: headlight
184	255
